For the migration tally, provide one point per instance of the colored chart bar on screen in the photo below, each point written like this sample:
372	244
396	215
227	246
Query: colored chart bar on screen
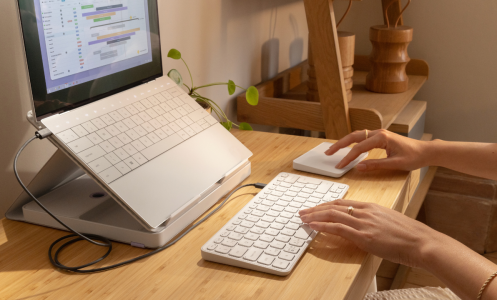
101	16
117	33
99	12
111	38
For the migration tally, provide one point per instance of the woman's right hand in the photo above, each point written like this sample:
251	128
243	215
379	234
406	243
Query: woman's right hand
402	153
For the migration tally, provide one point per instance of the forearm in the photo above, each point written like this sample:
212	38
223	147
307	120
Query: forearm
478	159
461	269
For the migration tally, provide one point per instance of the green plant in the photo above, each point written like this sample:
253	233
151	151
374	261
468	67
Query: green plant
252	94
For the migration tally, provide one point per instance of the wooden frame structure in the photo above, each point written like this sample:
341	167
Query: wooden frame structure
283	99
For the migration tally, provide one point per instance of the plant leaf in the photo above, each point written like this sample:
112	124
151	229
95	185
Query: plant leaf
252	95
245	126
231	87
174	54
175	75
227	125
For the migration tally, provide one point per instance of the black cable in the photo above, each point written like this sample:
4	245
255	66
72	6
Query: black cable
54	259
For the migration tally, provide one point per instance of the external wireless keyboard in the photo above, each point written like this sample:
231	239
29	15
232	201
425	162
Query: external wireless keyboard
267	235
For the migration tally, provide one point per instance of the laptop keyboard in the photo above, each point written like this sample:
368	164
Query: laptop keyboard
125	139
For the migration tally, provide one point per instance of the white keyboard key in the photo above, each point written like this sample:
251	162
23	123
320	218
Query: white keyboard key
110	174
257	230
271	231
123	167
80	144
121	126
212	247
116	142
107	146
116	116
124	112
261	245
165	107
266	238
67	136
175	92
89	127
145	141
303	232
248	223
121	153
291	249
210	119
153	100
292	226
222	249
130	149
131	162
140	130
99	123
169	117
324	187
161	134
104	134
288	232
183	135
148	127
277	226
283	238
272	251
139	106
190	101
162	146
291	209
296	242
235	236
175	114
245	243
100	164
156	124
107	119
291	178
113	130
229	242
253	254
80	131
159	110
124	138
266	259
167	95
162	120
198	115
151	113
196	127
252	236
241	230
187	120
238	251
168	130
160	97
153	137
130	123
133	134
281	264
137	119
112	158
92	153
146	103
286	256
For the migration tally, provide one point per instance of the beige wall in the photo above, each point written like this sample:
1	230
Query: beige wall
220	39
459	42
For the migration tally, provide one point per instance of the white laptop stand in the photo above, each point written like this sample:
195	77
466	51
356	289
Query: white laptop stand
83	205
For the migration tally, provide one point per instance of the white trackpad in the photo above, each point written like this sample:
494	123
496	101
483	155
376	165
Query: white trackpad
315	161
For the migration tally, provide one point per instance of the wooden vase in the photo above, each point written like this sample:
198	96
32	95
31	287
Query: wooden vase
346	42
389	59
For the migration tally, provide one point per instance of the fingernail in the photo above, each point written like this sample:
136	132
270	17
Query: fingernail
361	167
338	166
304	218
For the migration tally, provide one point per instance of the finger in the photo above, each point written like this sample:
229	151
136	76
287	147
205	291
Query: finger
364	146
379	164
340	202
354	137
339	229
333	215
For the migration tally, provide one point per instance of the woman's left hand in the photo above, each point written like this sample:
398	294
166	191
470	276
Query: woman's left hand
373	228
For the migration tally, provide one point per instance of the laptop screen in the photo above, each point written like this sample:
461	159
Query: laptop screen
79	51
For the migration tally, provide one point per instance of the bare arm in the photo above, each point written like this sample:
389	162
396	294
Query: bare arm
478	159
393	236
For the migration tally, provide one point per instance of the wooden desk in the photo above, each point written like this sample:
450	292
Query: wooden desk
332	268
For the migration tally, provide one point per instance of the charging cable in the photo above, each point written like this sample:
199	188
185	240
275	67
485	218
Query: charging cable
92	238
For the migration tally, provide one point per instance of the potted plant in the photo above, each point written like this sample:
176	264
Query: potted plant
252	93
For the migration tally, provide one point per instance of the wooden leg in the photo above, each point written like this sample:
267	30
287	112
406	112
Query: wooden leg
325	50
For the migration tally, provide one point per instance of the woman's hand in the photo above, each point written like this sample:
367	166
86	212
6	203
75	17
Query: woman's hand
373	228
402	153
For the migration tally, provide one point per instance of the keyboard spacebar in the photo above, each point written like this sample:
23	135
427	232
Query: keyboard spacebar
162	146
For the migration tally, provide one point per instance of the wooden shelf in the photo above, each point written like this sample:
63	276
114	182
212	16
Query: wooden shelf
282	100
408	118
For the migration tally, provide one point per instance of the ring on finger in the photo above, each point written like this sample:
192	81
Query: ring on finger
350	210
367	134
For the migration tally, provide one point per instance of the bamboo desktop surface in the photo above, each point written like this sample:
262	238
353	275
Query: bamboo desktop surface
326	271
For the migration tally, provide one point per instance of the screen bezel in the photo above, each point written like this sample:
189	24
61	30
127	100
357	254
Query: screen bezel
107	85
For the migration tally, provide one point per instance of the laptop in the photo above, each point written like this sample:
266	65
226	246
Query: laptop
96	80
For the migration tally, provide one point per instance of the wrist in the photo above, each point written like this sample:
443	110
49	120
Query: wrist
433	152
431	249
